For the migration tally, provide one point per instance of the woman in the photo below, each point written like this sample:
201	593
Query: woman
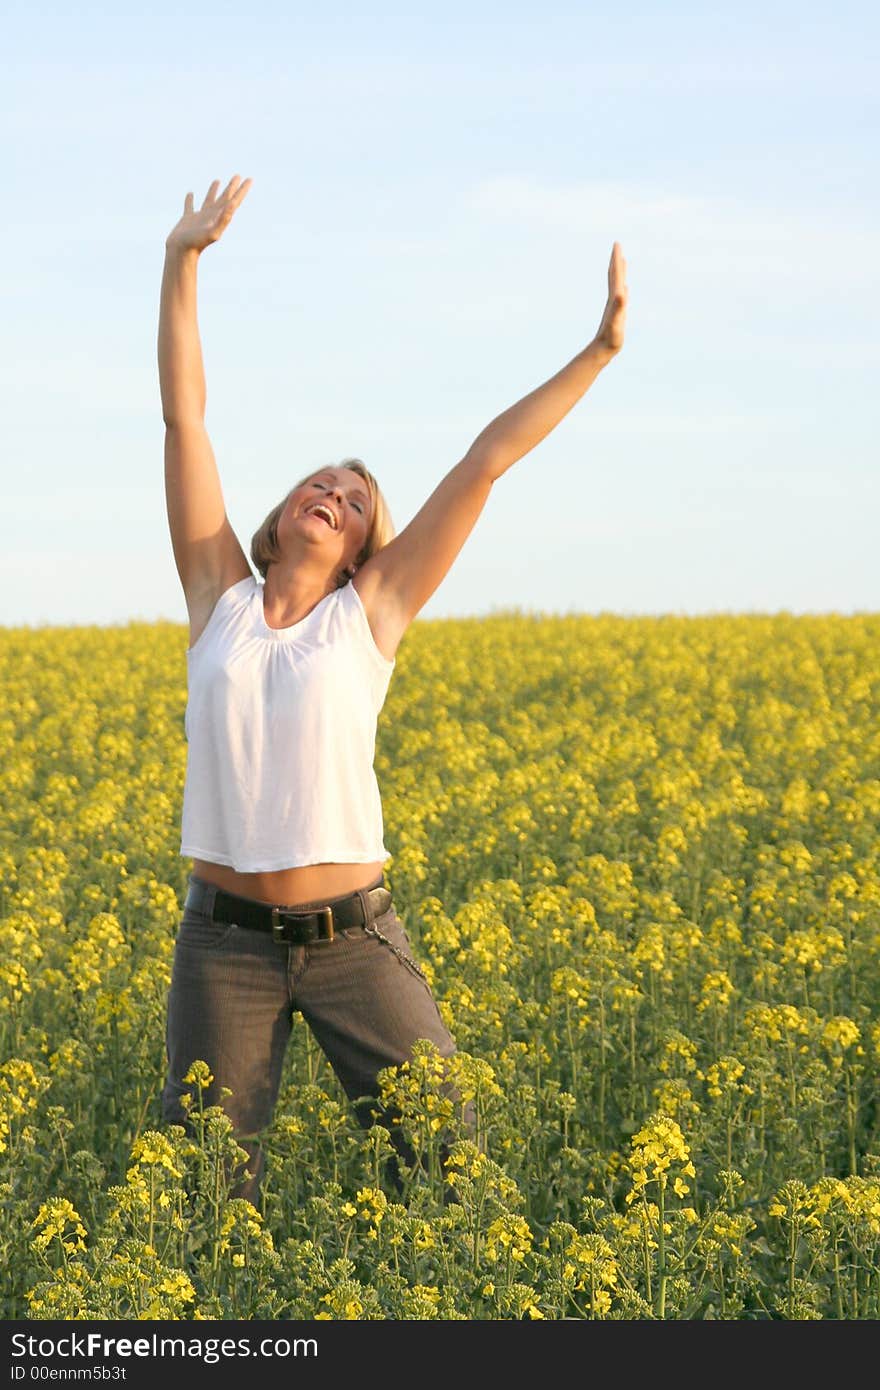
286	907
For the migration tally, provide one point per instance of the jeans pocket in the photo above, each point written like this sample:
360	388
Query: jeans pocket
385	920
390	932
390	925
351	933
200	933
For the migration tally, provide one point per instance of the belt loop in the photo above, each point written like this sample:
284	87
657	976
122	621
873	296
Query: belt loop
201	893
365	905
206	895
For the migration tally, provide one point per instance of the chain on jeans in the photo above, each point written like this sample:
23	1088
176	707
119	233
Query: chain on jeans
372	930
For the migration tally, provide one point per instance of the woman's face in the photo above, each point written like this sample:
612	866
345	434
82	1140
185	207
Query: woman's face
333	510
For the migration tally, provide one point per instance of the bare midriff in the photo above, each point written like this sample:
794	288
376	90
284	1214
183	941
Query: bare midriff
288	887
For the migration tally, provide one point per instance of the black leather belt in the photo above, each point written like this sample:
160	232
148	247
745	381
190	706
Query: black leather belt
287	924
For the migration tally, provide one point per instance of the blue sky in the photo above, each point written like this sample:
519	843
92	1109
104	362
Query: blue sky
436	193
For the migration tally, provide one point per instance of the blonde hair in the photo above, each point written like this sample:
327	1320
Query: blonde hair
264	542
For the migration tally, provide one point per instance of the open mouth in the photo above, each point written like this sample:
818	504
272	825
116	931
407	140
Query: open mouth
325	514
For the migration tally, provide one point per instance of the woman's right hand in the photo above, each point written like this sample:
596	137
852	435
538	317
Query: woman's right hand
198	229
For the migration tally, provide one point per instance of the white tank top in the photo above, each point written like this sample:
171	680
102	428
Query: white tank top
281	736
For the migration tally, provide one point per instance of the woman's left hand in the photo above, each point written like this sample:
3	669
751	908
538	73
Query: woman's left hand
610	332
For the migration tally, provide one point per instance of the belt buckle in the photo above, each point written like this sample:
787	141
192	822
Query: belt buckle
278	926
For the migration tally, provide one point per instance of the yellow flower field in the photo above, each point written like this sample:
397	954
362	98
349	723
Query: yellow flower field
640	862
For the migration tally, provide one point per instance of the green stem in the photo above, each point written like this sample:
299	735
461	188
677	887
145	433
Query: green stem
661	1241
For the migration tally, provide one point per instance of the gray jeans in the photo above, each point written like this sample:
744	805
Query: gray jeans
233	995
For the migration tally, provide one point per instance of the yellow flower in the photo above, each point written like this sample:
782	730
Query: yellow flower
198	1075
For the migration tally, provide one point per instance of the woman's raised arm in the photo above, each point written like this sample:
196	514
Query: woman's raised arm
400	578
525	424
181	374
206	550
